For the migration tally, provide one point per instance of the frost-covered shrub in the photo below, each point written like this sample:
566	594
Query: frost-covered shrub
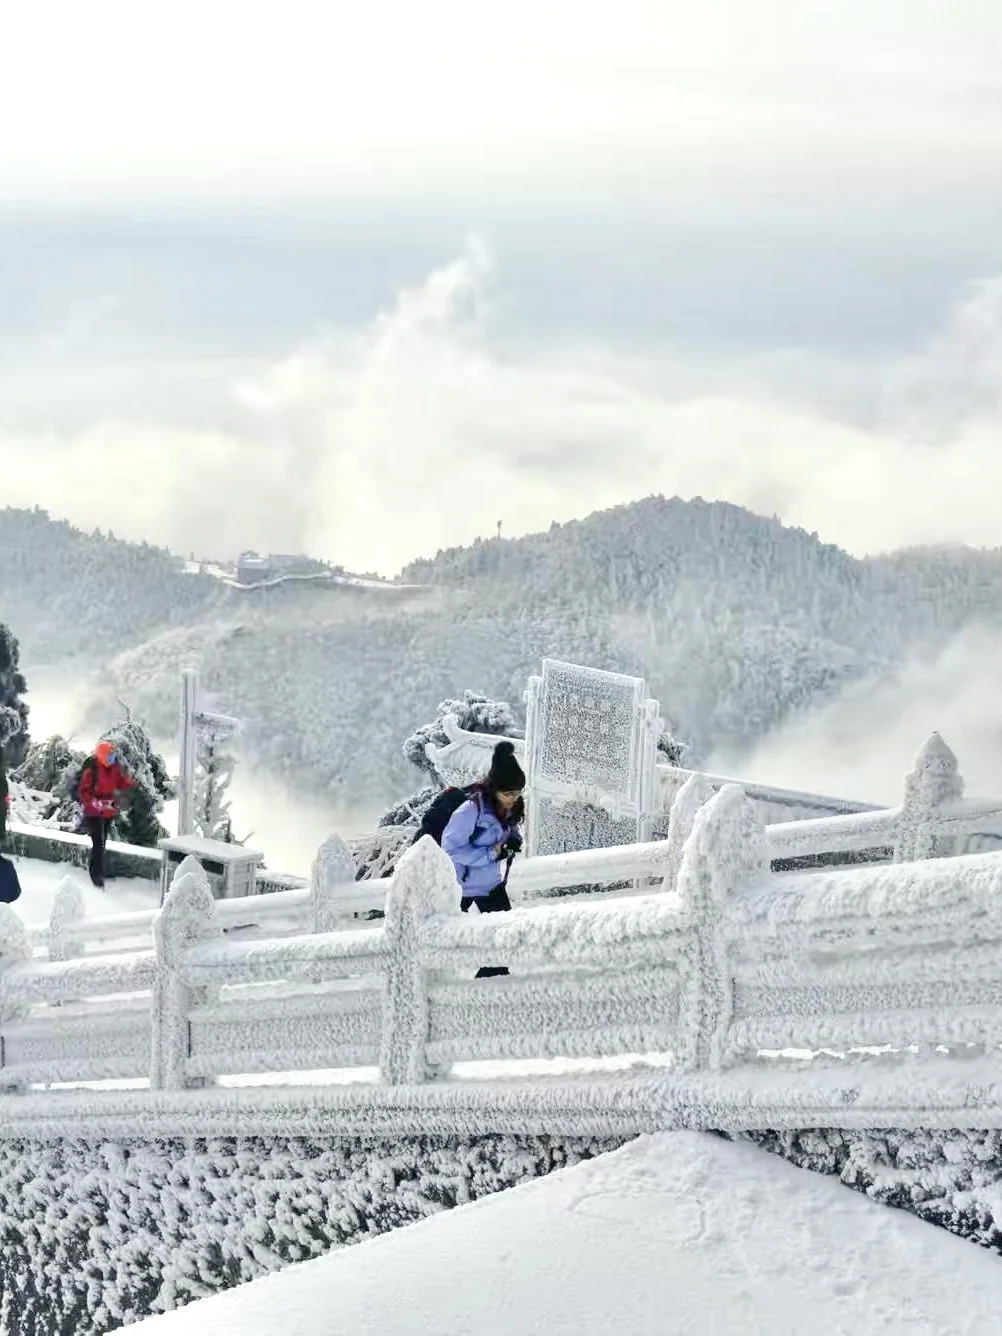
139	820
97	1235
948	1178
410	811
29	808
376	855
671	750
53	767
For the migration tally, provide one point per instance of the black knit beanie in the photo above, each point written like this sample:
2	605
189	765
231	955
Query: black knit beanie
505	774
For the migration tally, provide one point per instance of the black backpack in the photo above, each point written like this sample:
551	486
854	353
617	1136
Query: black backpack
438	814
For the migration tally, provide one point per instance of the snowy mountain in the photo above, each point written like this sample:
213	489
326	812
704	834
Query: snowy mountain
734	619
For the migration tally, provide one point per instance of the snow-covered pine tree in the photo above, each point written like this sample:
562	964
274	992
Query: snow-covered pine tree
12	688
10	723
213	776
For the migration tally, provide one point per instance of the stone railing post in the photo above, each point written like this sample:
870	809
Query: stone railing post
935	780
333	866
67	909
424	885
14	950
689	801
186	918
726	849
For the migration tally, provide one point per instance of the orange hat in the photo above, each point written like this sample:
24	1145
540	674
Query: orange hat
105	753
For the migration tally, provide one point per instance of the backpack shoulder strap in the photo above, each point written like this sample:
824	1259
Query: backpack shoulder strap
477	799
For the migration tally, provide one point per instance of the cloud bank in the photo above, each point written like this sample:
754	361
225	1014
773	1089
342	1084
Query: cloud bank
422	429
864	743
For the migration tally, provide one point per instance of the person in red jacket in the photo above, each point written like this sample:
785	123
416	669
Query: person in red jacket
102	779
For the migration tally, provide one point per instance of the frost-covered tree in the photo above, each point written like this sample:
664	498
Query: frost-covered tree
213	776
12	690
671	749
139	821
45	763
10	724
409	811
475	713
53	767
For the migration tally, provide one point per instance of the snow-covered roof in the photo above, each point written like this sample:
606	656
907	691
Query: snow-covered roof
220	850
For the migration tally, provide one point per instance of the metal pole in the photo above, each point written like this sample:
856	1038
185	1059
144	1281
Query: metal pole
186	782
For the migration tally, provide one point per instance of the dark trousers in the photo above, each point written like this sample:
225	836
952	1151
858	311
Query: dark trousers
496	902
97	828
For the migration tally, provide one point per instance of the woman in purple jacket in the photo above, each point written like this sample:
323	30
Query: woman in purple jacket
482	837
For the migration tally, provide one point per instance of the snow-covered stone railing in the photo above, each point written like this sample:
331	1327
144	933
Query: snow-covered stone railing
727	964
933	819
389	997
332	897
71	1020
335	899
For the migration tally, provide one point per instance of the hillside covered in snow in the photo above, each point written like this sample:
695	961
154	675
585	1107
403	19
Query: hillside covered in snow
735	620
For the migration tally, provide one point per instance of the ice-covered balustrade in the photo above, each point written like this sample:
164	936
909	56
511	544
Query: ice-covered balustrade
332	897
721	968
932	819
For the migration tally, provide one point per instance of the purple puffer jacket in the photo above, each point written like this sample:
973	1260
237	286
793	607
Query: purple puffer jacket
469	840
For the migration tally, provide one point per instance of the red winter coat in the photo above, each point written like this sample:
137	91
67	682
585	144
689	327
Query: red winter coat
99	786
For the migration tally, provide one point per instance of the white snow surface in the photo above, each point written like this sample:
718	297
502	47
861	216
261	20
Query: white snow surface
675	1233
40	881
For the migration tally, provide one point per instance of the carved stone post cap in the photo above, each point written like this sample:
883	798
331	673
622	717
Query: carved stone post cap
425	883
936	755
13	936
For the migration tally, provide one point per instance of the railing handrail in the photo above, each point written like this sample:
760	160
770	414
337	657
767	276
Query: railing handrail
766	793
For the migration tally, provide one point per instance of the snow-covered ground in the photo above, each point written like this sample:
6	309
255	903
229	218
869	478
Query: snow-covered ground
40	880
679	1233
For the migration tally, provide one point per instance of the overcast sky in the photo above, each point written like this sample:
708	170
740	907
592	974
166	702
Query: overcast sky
368	278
